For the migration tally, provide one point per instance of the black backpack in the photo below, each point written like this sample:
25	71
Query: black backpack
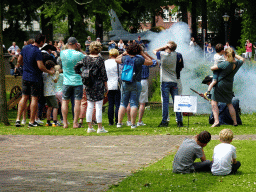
87	74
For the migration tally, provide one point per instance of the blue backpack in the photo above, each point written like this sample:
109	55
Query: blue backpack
128	72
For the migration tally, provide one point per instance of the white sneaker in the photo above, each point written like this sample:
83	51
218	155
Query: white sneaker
129	123
23	122
141	123
39	121
119	125
133	127
90	130
102	130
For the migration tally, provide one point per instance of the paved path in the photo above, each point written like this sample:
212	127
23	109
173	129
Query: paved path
78	163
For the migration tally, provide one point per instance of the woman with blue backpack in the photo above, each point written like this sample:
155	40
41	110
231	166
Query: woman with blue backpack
132	60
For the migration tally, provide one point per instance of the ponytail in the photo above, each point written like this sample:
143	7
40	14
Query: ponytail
230	54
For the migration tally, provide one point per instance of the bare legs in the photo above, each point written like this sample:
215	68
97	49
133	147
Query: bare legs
121	114
133	114
215	111
232	113
23	105
64	110
77	113
141	111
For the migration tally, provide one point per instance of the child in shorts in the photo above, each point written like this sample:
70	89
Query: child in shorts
189	150
218	57
50	94
224	155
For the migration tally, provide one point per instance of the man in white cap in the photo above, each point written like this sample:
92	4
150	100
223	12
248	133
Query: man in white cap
72	83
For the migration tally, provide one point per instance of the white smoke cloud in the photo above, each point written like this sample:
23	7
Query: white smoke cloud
197	67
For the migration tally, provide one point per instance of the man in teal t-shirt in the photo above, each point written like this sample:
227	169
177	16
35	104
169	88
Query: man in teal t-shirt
72	83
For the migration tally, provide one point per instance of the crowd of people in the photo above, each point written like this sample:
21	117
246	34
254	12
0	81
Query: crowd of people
54	74
121	46
58	73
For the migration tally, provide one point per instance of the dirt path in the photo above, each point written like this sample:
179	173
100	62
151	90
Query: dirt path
78	163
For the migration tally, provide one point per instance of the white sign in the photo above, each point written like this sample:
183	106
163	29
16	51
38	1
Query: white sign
185	103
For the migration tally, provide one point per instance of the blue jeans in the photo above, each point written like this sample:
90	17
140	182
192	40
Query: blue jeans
130	92
166	89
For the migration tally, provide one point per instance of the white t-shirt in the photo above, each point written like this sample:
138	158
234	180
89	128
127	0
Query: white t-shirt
223	155
120	45
192	43
111	68
218	58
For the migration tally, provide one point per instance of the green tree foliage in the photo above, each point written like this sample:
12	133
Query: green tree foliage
78	14
15	11
248	25
137	12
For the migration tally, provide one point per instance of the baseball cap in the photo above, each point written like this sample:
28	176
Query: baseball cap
72	40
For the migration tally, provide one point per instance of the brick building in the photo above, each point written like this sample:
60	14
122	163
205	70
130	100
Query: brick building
171	17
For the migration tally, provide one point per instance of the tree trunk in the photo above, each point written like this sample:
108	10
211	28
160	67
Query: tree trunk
184	11
99	26
194	16
70	24
153	19
47	28
3	102
204	20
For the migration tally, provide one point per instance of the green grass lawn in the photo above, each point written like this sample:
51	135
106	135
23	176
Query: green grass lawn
152	118
159	176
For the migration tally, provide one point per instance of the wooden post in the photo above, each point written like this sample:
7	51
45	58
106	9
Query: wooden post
3	102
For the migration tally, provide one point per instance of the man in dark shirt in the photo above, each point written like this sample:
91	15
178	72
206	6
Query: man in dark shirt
32	61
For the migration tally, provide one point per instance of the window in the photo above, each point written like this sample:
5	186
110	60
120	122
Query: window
166	16
174	16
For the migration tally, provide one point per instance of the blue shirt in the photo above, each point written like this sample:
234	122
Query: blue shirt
69	58
139	42
111	46
31	54
145	70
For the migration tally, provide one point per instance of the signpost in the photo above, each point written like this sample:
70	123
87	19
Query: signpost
185	103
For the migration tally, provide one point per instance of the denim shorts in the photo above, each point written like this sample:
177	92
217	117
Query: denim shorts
130	92
70	90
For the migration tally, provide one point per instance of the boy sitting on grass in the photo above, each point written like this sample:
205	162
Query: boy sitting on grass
50	94
224	155
189	150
